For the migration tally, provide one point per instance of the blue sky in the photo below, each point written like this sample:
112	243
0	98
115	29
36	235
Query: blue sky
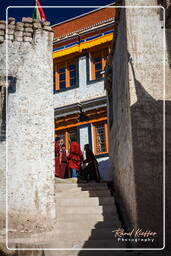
54	15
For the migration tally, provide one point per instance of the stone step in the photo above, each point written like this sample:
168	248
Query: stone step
88	217
85	210
68	180
79	189
80	235
76	181
92	201
84	186
84	224
82	194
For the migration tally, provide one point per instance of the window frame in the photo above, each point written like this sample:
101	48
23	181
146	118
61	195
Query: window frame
56	66
95	139
90	65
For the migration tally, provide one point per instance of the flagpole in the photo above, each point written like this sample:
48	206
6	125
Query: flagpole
38	12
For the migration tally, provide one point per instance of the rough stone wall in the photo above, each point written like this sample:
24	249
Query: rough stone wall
2	184
30	123
146	73
120	138
136	137
168	123
83	92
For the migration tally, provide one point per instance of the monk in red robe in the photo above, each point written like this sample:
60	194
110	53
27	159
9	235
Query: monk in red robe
75	158
57	157
64	163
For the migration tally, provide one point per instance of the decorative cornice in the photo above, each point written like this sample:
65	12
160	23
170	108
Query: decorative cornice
85	30
84	106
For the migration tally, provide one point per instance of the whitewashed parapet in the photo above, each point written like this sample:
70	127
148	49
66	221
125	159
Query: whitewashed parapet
23	31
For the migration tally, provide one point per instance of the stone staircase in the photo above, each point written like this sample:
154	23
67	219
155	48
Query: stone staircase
86	216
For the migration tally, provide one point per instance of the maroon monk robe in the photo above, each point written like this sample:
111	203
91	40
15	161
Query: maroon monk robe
64	164
57	160
92	167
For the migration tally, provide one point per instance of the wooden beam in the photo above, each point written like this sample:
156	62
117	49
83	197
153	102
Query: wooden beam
67	75
92	66
107	139
56	78
95	139
81	123
67	140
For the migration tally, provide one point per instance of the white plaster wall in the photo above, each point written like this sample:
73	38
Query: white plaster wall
83	92
83	138
30	133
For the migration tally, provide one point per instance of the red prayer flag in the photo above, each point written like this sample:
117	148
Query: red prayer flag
41	13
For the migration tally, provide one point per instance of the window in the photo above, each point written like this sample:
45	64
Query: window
98	62
62	76
100	138
65	75
66	135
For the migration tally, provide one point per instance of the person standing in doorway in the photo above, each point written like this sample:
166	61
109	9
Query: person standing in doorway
91	169
64	162
75	158
57	157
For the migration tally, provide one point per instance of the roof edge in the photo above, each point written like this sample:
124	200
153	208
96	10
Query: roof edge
84	14
82	32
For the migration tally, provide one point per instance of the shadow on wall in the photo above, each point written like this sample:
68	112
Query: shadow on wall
147	140
168	172
168	129
147	143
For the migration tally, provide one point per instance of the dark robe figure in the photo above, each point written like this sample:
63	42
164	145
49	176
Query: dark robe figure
91	170
74	159
64	163
57	157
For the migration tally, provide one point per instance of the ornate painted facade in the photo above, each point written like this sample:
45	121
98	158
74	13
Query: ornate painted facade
80	49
